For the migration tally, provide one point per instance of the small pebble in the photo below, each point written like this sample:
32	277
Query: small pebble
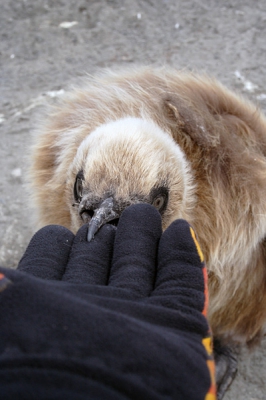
16	173
261	96
67	25
55	93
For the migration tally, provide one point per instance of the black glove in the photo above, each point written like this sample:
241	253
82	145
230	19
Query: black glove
120	317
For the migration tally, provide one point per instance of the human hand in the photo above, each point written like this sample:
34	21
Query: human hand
126	310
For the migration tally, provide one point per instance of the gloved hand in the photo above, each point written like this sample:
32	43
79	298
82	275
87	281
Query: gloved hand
120	317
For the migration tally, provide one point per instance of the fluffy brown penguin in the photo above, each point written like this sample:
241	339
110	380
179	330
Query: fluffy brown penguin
183	143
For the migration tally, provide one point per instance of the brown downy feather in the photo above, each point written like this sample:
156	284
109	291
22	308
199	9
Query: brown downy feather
223	138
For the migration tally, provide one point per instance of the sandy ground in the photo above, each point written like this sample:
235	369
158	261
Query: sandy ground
40	58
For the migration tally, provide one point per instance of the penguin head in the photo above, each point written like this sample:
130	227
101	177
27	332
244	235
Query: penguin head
124	162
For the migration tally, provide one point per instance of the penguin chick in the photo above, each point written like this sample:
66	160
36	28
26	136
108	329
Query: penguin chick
183	143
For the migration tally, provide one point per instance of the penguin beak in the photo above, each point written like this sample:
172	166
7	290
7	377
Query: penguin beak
102	215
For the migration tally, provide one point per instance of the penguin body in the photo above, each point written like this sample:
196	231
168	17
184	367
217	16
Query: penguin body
181	142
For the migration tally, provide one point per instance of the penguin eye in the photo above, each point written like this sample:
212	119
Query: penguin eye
78	186
158	202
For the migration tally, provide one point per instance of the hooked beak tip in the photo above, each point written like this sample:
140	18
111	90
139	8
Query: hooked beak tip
89	236
92	229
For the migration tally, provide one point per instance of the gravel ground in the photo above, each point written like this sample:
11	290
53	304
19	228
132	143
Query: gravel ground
41	57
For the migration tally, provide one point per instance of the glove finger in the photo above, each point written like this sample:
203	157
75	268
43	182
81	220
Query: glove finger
181	275
89	262
135	249
47	253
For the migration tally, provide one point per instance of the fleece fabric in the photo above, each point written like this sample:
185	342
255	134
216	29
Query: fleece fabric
120	317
